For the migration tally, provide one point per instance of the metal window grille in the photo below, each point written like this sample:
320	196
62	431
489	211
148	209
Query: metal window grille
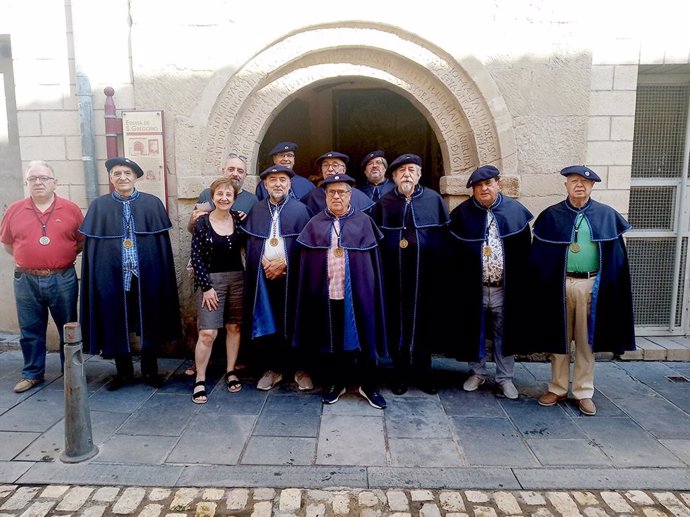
651	268
660	118
657	173
661	216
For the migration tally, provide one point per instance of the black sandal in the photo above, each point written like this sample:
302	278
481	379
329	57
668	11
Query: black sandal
234	385
196	395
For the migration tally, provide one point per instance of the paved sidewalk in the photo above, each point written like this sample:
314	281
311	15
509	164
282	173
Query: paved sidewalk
640	438
90	501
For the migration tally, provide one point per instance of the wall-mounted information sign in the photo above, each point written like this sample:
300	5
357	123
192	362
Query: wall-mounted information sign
143	142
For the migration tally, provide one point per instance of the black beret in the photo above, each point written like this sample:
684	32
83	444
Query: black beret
581	170
276	169
333	154
337	178
283	147
404	159
119	160
374	154
482	173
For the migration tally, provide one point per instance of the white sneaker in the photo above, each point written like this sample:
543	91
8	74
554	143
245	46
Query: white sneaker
303	380
269	379
473	382
509	390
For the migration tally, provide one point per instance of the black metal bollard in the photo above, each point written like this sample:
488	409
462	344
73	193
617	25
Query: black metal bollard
79	444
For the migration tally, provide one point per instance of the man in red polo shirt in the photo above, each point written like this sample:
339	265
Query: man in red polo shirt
41	233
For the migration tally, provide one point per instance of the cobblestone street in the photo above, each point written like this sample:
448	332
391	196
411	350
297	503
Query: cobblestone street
58	500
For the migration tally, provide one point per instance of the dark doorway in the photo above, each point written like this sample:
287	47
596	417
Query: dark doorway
354	119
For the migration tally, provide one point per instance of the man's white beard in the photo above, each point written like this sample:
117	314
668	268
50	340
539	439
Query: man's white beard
275	199
406	188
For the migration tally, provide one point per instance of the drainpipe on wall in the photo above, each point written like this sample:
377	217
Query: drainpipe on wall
88	143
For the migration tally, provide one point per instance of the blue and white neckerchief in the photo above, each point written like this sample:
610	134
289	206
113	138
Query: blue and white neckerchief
130	256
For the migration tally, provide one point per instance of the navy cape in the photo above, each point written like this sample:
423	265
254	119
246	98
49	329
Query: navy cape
316	201
299	186
414	277
271	302
103	306
468	229
368	189
364	313
611	325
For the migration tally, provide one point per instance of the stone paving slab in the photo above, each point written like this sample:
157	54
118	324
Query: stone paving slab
592	478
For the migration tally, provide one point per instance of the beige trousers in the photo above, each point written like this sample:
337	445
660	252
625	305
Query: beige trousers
578	300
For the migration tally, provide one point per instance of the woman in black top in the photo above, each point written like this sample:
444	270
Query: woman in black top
219	280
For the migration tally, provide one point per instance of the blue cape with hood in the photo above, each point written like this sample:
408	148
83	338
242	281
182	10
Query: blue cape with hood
271	302
468	228
104	309
364	313
611	325
413	276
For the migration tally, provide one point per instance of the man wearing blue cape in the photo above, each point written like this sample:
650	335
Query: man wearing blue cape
374	166
490	251
580	286
340	312
272	226
414	221
128	282
331	163
283	153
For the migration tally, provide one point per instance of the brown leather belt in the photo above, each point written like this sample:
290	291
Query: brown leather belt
497	283
575	274
40	272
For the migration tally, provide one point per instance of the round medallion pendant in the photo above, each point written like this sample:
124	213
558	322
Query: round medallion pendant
574	247
339	252
404	243
44	241
128	243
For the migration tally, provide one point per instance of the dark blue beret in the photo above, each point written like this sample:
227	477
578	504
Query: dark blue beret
581	170
482	173
283	147
337	178
404	159
275	169
374	154
333	154
119	160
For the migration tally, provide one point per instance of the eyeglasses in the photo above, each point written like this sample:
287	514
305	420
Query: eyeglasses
42	179
341	193
286	155
240	156
334	166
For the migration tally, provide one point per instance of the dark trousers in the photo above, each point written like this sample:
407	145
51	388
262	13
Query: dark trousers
149	348
340	366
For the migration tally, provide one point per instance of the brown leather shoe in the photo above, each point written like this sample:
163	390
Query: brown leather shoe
587	407
550	399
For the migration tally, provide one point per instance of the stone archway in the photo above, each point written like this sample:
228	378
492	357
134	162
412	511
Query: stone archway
459	99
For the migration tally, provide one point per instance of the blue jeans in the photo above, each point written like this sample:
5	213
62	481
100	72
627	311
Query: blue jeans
493	310
35	296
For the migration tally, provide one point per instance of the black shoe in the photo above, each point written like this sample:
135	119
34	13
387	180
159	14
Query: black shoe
428	387
374	398
154	380
332	394
116	382
399	388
